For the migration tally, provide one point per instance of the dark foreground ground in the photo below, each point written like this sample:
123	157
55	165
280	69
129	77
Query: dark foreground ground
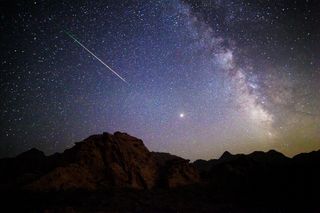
117	173
197	198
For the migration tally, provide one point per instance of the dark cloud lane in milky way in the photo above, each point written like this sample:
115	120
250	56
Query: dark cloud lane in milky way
205	76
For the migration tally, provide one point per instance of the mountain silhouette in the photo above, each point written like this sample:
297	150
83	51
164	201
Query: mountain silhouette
98	162
117	173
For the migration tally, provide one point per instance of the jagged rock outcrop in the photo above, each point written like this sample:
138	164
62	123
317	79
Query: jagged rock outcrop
99	162
240	170
226	156
175	171
257	159
163	158
180	173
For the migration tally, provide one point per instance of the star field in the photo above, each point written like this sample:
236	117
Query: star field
203	76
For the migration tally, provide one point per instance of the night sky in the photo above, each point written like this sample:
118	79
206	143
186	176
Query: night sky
202	76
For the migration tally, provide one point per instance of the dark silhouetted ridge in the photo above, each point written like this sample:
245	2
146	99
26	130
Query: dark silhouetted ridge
117	173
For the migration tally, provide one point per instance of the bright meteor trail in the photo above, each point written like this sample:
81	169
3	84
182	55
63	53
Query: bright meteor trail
114	72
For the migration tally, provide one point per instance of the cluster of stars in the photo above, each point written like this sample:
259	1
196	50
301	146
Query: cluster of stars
209	76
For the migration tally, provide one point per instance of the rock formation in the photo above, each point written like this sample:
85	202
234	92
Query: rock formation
117	173
98	162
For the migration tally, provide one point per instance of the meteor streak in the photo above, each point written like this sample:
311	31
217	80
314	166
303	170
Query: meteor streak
114	72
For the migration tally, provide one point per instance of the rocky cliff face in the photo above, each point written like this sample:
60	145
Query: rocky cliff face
102	161
98	162
175	171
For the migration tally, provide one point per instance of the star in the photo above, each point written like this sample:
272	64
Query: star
182	59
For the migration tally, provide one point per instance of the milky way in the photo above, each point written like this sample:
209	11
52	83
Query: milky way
205	76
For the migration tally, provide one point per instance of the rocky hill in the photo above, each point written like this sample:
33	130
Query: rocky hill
117	173
98	162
